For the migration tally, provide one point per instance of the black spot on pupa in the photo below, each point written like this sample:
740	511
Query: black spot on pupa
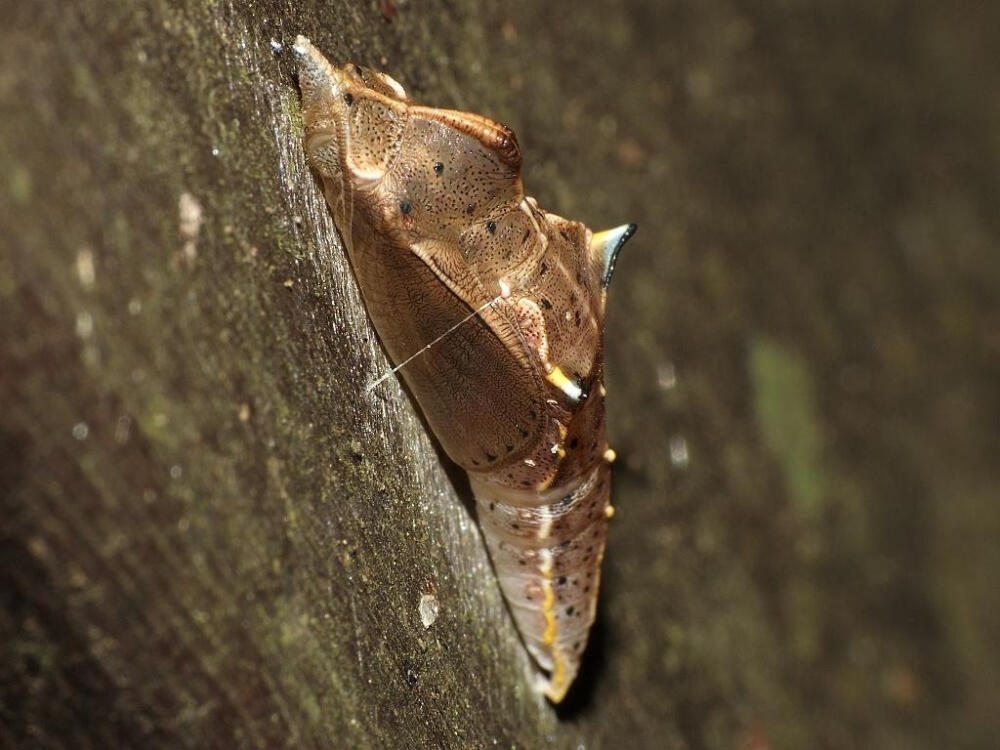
573	443
577	318
527	233
515	526
438	168
405	207
569	611
543	268
491	227
509	448
546	304
493	506
470	209
524	432
348	99
562	580
490	457
358	70
576	646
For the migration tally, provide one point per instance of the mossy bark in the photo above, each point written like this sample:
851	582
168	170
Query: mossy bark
211	535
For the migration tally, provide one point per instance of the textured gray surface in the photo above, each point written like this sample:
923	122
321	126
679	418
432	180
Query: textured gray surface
211	536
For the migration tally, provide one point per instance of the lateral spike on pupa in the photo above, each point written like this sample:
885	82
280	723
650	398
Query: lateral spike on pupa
606	245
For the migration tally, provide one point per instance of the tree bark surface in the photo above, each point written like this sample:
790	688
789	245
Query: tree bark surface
211	535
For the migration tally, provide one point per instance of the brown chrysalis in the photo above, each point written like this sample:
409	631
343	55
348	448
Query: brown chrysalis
496	308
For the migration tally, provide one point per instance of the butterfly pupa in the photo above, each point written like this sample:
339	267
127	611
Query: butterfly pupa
496	307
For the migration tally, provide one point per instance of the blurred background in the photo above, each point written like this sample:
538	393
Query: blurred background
210	537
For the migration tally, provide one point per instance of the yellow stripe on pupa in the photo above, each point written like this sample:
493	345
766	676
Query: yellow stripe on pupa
558	378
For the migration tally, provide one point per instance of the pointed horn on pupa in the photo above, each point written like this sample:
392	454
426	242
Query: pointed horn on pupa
318	80
605	246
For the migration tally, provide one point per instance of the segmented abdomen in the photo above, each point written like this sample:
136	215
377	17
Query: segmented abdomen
547	549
